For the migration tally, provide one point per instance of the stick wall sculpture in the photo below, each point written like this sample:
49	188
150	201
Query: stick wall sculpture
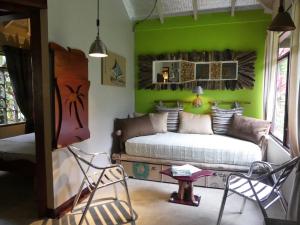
213	70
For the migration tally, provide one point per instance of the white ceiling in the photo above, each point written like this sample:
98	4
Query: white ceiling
139	9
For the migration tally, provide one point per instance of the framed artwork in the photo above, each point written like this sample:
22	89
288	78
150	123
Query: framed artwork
229	70
202	71
114	70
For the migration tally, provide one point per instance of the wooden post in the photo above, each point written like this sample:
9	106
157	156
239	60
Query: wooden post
42	109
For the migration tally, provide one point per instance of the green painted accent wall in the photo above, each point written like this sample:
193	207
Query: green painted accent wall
215	31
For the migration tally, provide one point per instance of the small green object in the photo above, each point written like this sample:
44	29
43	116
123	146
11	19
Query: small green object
140	170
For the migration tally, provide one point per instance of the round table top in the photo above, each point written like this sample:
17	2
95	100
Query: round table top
192	178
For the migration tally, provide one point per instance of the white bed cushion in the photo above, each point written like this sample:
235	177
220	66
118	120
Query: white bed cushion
214	149
18	147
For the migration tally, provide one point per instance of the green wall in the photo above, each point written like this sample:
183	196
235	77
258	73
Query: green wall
215	31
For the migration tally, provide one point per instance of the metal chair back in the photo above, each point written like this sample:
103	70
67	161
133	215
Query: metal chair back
284	171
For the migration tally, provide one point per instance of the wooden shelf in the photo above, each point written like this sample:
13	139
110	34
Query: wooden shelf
209	102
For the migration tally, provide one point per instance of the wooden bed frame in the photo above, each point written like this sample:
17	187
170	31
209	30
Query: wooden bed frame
17	166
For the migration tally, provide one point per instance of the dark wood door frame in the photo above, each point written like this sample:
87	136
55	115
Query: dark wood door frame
36	9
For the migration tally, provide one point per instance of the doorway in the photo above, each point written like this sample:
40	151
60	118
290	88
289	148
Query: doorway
36	12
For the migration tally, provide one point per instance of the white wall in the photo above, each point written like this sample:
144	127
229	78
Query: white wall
73	23
278	155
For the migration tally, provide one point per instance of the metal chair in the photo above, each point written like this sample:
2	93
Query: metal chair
96	177
255	188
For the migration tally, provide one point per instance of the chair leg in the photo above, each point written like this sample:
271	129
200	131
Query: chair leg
243	206
283	204
78	195
222	206
88	205
128	200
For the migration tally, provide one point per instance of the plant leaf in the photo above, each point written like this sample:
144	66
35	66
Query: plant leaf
70	88
80	101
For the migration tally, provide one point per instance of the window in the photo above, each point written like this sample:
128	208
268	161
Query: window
9	110
280	119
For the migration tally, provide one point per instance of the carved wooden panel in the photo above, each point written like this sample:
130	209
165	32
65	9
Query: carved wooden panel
70	68
227	70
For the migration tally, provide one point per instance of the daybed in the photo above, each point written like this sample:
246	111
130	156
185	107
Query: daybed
144	156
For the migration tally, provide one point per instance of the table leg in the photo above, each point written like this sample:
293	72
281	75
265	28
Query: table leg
181	190
185	194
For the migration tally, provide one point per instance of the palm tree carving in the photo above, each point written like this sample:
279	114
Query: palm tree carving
73	100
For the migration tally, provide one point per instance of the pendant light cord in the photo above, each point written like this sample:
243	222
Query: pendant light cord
98	21
147	17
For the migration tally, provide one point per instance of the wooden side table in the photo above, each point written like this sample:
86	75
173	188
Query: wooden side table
185	194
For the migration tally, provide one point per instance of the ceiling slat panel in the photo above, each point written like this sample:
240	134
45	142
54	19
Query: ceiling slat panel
139	9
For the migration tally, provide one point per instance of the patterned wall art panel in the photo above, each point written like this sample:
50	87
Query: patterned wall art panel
213	70
70	70
114	70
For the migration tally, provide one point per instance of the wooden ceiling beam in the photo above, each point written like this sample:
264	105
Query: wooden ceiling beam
160	11
29	27
7	24
267	5
41	4
233	4
195	9
12	16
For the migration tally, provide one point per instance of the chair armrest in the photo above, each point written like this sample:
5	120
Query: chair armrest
267	166
255	163
90	155
264	146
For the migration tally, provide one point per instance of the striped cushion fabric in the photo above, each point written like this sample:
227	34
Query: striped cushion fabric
222	118
173	116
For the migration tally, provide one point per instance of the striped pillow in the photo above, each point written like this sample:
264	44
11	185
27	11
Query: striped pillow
173	116
222	118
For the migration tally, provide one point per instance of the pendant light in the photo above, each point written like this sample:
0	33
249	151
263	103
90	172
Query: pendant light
282	21
98	48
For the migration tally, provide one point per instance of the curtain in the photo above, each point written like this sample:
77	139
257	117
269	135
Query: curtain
270	74
294	205
20	71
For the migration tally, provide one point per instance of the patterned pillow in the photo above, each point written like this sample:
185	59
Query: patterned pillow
222	118
173	116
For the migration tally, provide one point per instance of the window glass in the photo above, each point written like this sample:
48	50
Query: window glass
280	100
280	117
9	110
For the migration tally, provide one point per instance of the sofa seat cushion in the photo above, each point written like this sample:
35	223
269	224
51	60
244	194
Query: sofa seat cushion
213	149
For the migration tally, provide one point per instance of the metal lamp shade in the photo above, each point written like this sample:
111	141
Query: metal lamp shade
198	90
98	48
282	22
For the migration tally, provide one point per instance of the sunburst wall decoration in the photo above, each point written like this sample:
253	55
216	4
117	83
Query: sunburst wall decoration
214	70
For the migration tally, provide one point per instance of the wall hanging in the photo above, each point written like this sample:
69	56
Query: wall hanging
213	70
114	70
69	68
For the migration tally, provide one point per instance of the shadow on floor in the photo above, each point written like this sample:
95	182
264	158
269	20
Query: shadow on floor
18	202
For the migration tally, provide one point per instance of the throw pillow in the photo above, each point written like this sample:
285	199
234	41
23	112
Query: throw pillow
159	121
194	124
173	116
134	127
249	129
222	118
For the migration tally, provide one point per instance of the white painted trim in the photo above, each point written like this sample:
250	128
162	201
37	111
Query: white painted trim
160	11
195	9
